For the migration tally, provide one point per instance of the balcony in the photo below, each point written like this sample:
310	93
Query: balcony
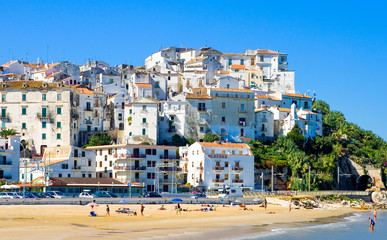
75	168
88	110
218	180
169	169
237	169
264	129
167	157
237	181
45	117
129	156
217	155
89	122
202	109
5	117
217	168
199	168
130	168
242	110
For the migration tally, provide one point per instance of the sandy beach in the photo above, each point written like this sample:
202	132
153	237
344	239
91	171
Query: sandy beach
74	222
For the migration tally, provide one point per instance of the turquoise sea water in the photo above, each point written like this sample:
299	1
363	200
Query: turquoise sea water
351	227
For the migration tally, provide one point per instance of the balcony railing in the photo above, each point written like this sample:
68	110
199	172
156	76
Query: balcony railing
3	117
169	157
237	169
237	181
169	169
218	180
217	155
203	109
47	116
130	168
218	168
88	109
242	110
89	122
129	156
76	168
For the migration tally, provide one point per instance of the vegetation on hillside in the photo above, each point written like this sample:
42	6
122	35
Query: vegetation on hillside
321	154
98	140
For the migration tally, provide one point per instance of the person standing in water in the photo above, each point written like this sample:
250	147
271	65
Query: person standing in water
372	224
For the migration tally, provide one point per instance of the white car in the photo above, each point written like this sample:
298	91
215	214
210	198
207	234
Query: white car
9	195
56	194
85	194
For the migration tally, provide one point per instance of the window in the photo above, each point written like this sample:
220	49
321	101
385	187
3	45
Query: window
58	124
143	120
282	59
59	96
89	163
130	111
58	136
44	112
144	107
223	119
143	131
3	112
24	126
242	107
130	134
24	110
169	77
83	154
3	97
202	107
228	86
226	164
43	136
120	117
230	61
44	124
24	97
58	110
261	58
242	61
44	97
88	106
201	129
225	176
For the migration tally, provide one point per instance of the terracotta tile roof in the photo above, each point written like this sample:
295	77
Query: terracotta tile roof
197	96
267	51
226	145
223	72
144	85
252	69
199	90
53	74
231	90
261	96
238	66
31	84
284	109
83	90
9	63
296	95
234	54
269	97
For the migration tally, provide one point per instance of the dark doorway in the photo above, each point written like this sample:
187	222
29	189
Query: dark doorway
363	182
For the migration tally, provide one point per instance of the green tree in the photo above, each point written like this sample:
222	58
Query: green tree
322	106
177	140
190	141
98	140
4	133
210	137
296	136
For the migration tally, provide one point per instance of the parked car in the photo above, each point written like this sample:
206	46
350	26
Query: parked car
56	194
86	194
29	195
198	195
6	195
102	194
42	195
112	194
152	195
15	195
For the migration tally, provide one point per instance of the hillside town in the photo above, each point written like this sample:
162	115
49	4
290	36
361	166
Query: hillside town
150	113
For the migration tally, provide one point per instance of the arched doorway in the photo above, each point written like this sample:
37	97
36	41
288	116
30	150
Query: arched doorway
363	182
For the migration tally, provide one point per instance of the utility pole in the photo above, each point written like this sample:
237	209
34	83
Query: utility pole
272	178
262	181
309	180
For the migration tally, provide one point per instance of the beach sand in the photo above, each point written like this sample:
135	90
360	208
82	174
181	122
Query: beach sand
73	221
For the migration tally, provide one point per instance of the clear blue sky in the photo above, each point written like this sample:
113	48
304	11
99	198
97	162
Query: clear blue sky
337	49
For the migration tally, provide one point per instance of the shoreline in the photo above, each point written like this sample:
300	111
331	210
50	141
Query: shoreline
69	222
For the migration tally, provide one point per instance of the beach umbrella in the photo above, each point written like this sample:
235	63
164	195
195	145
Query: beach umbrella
220	199
124	201
258	200
176	200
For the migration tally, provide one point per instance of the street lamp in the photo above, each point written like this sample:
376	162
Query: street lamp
25	169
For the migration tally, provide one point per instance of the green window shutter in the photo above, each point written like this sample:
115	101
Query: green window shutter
44	112
44	97
44	124
43	136
24	126
3	112
58	136
58	110
58	124
24	111
24	97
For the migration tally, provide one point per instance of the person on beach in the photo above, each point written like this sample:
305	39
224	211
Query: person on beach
375	213
290	206
178	209
372	224
265	204
107	210
142	209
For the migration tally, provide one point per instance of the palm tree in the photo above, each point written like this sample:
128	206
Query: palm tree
7	132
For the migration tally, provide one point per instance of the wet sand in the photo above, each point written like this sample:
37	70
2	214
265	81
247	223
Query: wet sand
74	222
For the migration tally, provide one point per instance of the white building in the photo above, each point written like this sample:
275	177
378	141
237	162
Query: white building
10	158
141	119
155	167
264	124
66	161
214	165
171	119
